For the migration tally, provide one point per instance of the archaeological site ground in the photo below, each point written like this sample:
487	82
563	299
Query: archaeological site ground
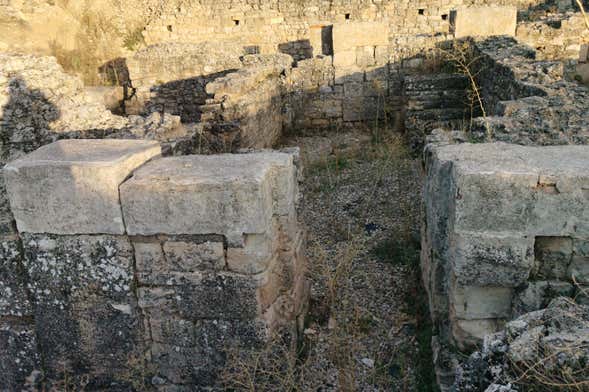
294	195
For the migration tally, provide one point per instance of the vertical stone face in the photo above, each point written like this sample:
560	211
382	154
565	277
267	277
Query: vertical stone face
483	21
219	259
81	175
84	305
504	232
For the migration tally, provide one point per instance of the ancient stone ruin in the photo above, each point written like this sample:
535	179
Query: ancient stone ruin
294	195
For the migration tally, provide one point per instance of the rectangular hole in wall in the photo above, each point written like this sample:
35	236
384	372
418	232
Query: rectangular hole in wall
348	16
445	17
421	11
236	22
552	257
327	41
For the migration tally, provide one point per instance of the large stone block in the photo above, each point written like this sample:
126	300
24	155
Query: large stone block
84	306
483	21
471	303
72	186
348	36
492	259
229	195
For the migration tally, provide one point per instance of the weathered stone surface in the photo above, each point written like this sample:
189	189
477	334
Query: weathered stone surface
349	35
471	303
492	259
483	21
72	186
191	195
14	299
84	307
537	295
556	337
18	354
501	221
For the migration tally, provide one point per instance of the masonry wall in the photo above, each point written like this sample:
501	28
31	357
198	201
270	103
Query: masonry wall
171	78
114	293
504	233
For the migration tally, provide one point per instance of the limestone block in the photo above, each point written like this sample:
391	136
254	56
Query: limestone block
483	21
194	354
205	295
579	269
365	56
483	259
72	186
164	261
344	59
84	306
584	53
468	334
533	190
349	35
229	195
538	294
471	303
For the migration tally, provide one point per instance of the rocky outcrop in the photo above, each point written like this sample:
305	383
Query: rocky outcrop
546	349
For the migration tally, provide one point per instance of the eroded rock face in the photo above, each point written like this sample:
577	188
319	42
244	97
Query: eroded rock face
554	339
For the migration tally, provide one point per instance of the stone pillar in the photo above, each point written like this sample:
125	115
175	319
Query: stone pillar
219	258
506	229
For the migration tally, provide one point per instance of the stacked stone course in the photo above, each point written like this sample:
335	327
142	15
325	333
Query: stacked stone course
149	274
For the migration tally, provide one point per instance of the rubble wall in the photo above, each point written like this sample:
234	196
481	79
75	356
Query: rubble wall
137	270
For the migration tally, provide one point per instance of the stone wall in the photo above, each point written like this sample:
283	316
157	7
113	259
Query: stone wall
171	78
138	270
504	233
246	110
527	101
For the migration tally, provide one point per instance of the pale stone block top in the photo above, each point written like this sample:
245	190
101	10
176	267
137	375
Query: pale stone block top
72	186
86	152
559	161
228	194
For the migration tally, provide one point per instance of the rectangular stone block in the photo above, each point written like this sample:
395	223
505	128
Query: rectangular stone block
229	195
471	303
84	306
166	260
491	259
349	35
72	186
483	21
584	53
194	354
